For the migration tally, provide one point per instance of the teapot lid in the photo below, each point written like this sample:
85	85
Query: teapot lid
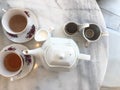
62	54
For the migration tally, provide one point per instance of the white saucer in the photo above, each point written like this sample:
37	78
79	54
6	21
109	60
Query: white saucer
28	34
28	60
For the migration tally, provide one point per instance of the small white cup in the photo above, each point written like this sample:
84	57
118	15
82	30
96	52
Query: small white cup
91	32
3	71
43	34
9	14
70	28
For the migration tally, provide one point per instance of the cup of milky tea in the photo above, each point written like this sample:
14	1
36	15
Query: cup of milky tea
15	21
11	63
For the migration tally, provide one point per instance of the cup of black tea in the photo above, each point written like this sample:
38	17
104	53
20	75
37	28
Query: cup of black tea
70	28
90	32
11	63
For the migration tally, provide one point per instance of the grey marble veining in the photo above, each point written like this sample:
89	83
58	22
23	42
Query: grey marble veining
55	13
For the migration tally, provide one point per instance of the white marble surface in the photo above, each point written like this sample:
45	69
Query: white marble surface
54	13
112	77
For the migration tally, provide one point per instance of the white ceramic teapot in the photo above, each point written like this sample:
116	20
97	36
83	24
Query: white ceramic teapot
58	53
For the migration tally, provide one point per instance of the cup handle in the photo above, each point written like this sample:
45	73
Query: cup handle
82	26
4	10
87	44
84	57
105	33
51	29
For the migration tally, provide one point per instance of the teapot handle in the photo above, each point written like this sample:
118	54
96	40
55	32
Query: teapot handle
84	57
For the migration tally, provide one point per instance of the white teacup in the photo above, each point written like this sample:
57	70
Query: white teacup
8	68
91	32
70	28
16	21
43	34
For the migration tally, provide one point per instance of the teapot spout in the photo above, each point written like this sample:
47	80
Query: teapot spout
35	52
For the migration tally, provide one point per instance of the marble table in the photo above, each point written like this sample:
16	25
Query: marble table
55	13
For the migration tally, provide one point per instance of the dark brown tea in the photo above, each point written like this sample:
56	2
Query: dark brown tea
17	23
89	33
12	62
71	28
92	32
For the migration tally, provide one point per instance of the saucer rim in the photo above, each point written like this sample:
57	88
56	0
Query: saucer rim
17	39
30	68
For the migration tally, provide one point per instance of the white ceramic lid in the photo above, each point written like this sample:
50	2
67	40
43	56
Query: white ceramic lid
60	56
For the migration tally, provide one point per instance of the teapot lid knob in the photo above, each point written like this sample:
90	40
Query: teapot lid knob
61	56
